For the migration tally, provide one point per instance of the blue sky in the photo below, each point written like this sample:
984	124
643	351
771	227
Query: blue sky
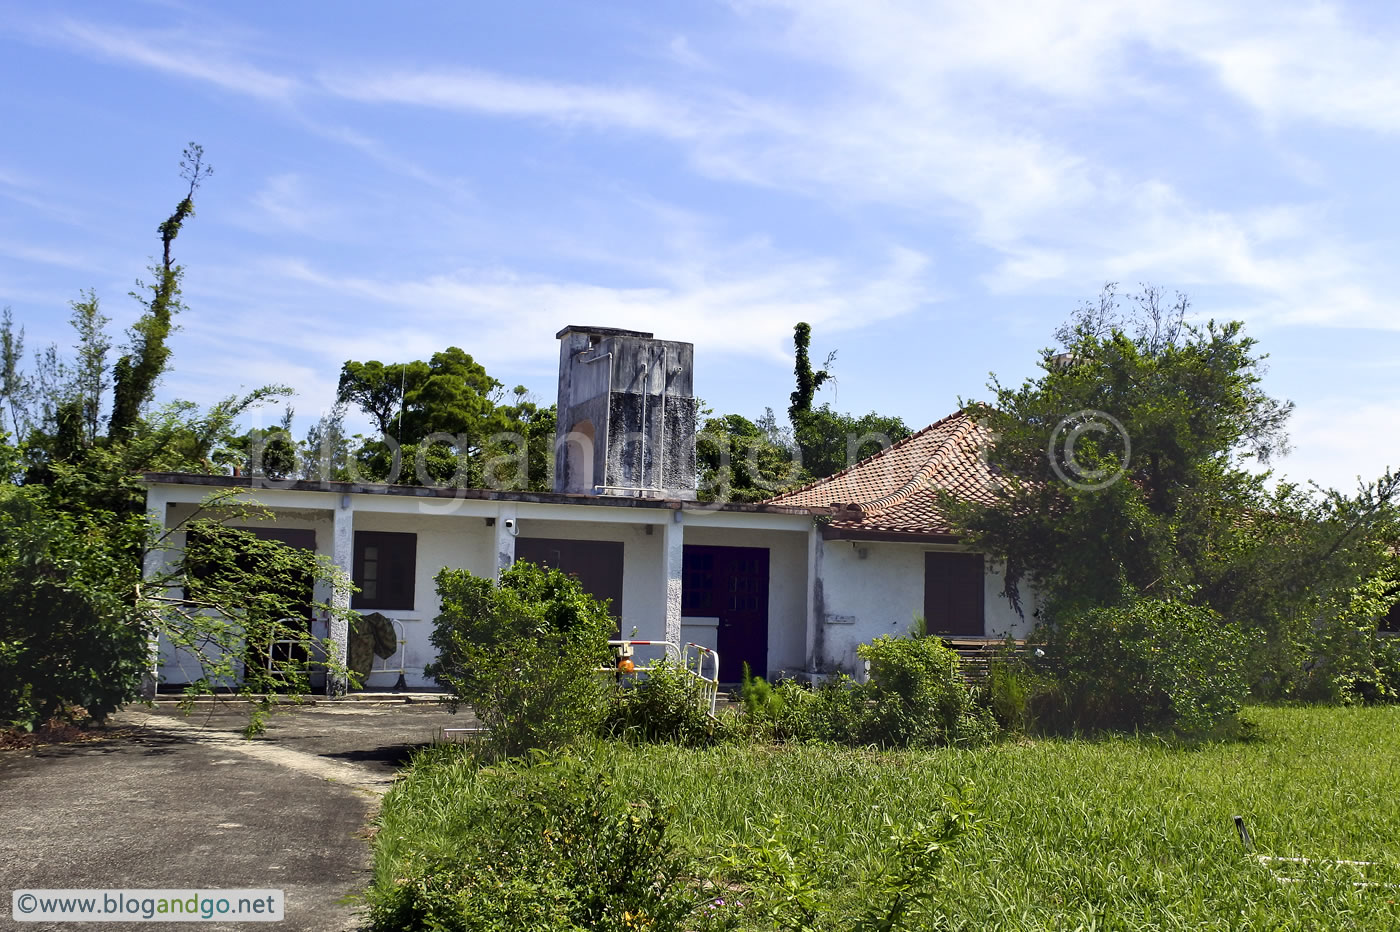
933	186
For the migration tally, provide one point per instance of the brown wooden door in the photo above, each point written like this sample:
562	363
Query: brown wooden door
731	584
954	594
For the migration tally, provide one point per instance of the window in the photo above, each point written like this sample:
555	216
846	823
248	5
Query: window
953	594
385	564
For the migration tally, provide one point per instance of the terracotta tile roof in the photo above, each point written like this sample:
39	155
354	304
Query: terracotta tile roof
895	490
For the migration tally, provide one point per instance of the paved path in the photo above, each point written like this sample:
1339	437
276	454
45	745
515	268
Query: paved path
185	802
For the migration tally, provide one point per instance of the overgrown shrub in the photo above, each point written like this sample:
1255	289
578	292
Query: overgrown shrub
660	705
523	654
1012	688
1341	657
1146	664
70	631
545	847
914	698
918	697
828	712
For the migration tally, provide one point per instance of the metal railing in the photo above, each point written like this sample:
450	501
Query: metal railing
384	665
708	686
691	658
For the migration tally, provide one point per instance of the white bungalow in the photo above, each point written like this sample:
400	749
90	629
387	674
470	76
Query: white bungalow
790	586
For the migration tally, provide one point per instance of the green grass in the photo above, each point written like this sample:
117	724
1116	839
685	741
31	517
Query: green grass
1119	833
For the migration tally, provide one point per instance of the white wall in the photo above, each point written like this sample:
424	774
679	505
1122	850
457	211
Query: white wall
787	590
443	541
881	594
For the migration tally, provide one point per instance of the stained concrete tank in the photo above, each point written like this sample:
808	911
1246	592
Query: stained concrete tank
626	414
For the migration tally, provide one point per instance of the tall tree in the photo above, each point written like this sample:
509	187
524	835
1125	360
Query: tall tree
90	377
1129	469
808	381
745	461
376	389
137	372
830	440
15	385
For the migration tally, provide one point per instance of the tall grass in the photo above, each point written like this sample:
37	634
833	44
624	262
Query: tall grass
1116	833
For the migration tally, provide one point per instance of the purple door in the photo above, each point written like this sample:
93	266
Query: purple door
731	584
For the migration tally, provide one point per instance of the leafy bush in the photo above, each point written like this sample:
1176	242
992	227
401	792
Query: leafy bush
1342	659
70	631
918	698
914	698
523	654
1146	664
830	711
661	705
760	700
545	847
1012	688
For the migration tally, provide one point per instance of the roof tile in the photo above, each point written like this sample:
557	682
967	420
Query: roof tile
896	489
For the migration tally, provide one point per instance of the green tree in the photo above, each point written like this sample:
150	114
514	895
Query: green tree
743	461
829	440
446	422
77	618
16	386
90	377
137	372
808	381
374	388
1175	420
1129	468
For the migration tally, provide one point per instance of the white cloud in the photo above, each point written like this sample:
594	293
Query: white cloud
499	95
1310	65
29	252
1335	442
179	53
745	312
285	202
956	114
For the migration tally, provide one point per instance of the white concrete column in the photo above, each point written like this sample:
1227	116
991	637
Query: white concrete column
672	559
156	565
816	607
343	555
507	526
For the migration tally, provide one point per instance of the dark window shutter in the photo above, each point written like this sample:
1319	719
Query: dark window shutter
954	594
384	568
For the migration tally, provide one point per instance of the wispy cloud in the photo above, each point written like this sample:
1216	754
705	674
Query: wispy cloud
48	255
500	95
746	311
180	53
1334	441
944	112
286	203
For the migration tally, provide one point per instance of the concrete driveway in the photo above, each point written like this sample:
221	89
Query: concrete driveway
184	802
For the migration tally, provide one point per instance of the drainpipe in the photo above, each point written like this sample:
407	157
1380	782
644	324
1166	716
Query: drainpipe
662	428
642	466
